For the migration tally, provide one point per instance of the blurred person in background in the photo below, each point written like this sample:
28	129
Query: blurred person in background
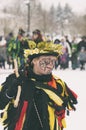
74	56
57	41
64	59
81	44
82	58
3	56
37	36
2	62
68	41
9	39
15	48
22	43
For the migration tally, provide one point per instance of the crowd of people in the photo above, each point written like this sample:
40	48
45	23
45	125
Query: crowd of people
74	51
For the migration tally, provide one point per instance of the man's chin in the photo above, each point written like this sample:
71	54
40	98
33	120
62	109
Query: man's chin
49	72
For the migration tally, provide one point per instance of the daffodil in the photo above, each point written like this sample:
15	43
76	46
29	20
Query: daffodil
32	44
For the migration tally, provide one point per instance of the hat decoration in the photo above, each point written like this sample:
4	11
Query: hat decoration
43	48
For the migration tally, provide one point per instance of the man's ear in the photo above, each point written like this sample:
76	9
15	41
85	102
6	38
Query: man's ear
34	61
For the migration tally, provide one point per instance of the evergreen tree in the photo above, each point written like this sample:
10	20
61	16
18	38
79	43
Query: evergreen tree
60	18
67	12
52	19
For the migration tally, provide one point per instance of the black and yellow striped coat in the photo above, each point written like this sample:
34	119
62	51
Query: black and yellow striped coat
42	105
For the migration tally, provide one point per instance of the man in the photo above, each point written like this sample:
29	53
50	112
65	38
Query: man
81	44
44	97
37	36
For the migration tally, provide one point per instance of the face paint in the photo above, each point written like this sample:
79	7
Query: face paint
45	62
42	65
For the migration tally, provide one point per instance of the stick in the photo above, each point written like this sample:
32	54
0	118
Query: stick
19	87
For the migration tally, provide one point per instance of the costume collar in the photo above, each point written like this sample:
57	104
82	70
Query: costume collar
40	78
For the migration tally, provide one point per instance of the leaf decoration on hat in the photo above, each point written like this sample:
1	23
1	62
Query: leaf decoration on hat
41	45
27	52
49	47
32	44
59	48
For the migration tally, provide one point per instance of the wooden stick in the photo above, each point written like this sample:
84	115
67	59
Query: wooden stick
19	87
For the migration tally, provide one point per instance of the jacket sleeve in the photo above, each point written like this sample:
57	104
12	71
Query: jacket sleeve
72	98
9	90
68	96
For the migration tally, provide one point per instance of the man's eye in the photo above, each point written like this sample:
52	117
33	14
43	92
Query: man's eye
53	61
42	62
47	62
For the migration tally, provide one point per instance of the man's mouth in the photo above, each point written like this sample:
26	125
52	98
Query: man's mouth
49	69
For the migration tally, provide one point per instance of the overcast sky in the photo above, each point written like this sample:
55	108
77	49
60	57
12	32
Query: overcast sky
78	6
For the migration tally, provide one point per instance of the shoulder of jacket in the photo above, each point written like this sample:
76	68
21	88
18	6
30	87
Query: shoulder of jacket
59	80
62	84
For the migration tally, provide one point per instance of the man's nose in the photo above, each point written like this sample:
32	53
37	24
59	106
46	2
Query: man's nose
51	65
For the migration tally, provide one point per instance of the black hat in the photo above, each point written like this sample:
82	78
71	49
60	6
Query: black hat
21	31
37	31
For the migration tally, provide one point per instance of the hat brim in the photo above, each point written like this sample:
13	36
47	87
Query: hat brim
31	57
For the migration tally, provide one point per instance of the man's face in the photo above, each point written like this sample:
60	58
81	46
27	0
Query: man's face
44	64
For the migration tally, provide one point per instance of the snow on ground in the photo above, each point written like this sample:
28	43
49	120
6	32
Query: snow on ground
76	80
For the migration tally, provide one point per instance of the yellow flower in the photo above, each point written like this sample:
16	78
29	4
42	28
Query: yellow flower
26	52
35	51
49	46
58	48
41	45
32	44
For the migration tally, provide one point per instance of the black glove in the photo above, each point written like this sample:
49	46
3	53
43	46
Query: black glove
65	101
13	87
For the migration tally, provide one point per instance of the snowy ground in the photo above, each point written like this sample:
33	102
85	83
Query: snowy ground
76	80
